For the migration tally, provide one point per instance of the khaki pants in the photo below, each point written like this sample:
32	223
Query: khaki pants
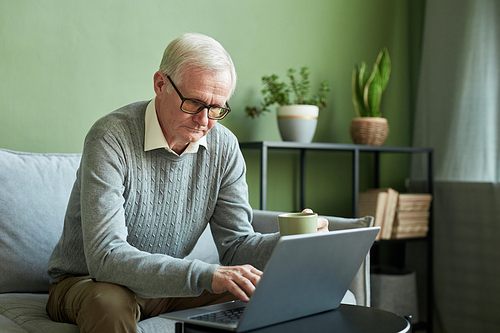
106	307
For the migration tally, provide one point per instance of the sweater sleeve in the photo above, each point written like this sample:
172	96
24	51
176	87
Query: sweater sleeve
233	233
109	257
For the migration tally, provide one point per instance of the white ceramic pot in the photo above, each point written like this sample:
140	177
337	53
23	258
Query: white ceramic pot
297	122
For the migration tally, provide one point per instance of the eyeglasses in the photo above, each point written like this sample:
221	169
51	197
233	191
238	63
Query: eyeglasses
193	106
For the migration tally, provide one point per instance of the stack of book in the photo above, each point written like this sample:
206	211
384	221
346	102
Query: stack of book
412	216
397	215
381	204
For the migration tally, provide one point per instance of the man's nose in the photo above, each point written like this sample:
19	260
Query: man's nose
202	117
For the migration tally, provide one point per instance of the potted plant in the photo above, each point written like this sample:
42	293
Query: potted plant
370	128
297	113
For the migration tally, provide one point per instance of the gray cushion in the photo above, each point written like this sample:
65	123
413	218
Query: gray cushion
26	313
205	249
361	285
266	221
8	326
34	192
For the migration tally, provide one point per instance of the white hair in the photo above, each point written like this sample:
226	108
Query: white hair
196	52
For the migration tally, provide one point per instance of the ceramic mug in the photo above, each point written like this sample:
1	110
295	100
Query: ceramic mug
297	223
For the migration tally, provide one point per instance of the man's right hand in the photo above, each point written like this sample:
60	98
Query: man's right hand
238	280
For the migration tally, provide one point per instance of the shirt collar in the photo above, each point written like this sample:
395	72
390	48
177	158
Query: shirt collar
154	138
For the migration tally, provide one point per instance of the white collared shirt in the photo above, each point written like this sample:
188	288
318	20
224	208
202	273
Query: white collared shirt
154	138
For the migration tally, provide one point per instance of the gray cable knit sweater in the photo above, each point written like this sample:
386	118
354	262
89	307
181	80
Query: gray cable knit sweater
133	215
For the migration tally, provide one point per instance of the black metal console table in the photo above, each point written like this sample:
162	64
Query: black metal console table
355	150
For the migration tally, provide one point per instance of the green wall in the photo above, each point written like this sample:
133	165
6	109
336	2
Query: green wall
64	64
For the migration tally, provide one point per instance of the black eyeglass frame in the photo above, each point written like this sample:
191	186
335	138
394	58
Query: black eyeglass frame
208	107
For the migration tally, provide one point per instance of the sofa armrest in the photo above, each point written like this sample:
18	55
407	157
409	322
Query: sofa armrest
265	221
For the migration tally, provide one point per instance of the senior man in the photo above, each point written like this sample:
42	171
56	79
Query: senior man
152	176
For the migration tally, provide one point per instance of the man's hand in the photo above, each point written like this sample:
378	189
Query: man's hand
322	222
238	280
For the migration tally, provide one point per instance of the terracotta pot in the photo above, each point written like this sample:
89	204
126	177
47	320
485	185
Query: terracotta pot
369	130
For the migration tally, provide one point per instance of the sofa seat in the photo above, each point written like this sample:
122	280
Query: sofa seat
24	312
34	191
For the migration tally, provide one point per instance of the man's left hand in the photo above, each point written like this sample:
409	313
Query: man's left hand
322	222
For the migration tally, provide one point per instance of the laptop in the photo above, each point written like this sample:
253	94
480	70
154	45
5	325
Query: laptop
305	275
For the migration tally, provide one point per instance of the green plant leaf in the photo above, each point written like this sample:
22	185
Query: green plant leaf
355	90
304	86
384	66
362	80
301	88
320	99
367	87
373	92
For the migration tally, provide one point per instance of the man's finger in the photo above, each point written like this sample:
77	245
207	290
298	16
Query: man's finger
248	279
322	224
235	289
238	280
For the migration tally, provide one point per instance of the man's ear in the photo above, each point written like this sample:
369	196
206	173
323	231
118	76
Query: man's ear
159	84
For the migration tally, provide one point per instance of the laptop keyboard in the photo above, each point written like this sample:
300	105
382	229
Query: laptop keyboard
229	316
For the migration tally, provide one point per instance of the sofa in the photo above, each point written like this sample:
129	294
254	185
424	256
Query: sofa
34	190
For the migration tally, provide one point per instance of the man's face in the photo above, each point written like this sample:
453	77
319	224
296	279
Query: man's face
180	128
